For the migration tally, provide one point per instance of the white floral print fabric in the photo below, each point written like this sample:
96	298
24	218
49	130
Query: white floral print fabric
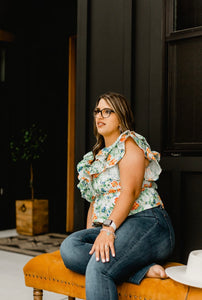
99	179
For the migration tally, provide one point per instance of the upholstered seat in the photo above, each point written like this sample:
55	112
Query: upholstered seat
47	272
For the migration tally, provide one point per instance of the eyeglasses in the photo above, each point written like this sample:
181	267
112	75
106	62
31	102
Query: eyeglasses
105	112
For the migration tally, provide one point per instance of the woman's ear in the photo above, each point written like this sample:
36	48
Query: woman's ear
120	128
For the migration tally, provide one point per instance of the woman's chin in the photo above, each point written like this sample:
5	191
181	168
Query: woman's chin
101	130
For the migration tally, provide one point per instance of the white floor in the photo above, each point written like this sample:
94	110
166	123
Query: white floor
12	279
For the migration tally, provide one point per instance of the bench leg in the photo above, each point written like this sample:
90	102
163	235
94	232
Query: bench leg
38	294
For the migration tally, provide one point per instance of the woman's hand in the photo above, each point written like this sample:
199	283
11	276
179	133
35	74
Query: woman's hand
103	244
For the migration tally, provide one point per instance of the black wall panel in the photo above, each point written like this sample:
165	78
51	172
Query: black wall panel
191	220
147	64
109	51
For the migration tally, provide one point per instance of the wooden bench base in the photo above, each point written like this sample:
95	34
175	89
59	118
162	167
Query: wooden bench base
47	272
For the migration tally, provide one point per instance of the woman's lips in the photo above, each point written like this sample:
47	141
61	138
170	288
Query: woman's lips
100	124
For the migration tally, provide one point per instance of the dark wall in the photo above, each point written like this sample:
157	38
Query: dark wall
148	69
6	115
39	86
109	51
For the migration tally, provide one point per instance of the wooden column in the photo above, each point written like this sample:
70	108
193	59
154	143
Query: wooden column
71	135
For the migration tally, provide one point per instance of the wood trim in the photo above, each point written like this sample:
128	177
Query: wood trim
71	135
6	36
172	33
185	34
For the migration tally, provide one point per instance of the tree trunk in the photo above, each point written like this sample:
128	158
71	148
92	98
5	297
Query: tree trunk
31	181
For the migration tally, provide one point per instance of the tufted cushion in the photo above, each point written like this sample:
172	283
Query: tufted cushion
47	272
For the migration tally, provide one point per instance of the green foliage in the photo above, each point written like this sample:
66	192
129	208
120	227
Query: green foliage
29	144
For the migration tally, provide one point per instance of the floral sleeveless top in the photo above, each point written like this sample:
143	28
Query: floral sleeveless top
99	180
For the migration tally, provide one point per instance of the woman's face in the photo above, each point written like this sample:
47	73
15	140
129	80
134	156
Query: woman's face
107	126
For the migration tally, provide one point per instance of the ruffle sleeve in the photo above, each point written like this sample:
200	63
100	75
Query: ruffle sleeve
110	156
153	170
85	178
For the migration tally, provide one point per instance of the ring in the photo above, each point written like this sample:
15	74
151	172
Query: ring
106	246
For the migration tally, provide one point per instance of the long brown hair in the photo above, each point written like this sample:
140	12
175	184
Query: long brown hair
124	113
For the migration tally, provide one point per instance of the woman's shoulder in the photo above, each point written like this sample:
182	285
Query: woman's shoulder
132	149
137	144
141	142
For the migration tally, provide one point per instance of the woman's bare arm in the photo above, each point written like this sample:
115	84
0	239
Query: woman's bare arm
132	169
89	216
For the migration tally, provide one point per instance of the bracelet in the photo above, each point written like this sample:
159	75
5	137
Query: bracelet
108	232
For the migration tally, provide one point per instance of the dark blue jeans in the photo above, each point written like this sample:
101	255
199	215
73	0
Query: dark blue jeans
143	240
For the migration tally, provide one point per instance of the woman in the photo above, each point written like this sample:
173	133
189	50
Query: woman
128	230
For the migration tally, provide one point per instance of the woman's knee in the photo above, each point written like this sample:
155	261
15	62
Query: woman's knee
75	252
67	251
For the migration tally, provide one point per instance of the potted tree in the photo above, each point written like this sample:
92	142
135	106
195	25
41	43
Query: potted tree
31	214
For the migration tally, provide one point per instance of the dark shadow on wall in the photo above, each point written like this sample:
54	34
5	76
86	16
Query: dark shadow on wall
36	90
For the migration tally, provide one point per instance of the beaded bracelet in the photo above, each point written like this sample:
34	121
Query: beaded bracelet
108	232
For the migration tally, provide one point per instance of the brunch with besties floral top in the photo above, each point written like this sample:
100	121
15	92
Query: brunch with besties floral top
99	179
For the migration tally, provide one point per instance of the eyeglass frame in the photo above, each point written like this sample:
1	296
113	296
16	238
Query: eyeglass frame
97	111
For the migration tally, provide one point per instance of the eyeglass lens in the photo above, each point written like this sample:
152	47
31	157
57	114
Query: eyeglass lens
105	112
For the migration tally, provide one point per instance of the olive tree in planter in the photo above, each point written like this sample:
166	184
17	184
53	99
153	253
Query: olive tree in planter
31	214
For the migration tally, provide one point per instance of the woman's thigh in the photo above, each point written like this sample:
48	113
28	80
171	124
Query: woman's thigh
142	239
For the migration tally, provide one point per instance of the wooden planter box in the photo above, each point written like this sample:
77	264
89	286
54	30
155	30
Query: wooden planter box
32	216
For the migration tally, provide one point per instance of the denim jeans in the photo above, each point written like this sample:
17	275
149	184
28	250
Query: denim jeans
144	239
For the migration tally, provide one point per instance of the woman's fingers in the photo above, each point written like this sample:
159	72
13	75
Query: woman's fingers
92	250
112	249
102	248
107	252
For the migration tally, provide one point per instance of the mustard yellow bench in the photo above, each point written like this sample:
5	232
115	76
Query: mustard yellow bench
47	272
